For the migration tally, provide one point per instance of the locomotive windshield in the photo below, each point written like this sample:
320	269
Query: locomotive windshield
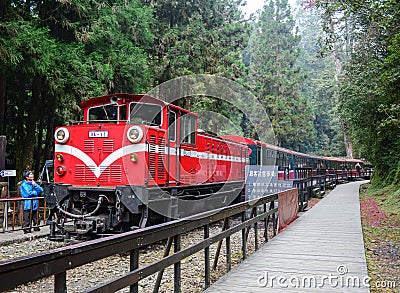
145	113
107	112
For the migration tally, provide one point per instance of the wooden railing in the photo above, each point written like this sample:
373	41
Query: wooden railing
12	209
57	262
304	189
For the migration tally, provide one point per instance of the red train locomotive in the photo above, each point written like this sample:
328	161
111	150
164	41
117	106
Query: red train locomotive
132	152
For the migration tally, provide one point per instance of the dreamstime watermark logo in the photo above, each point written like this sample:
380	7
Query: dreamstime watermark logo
339	279
196	163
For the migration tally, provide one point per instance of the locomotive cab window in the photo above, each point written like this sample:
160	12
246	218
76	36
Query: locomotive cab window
103	113
188	129
171	126
145	114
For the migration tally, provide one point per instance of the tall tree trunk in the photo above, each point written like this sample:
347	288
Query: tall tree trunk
2	102
4	4
20	135
26	128
338	63
51	106
44	148
38	148
31	126
347	142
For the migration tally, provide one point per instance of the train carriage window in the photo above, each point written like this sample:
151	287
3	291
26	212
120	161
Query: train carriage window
259	158
265	156
141	113
270	157
286	160
103	113
188	129
278	161
172	126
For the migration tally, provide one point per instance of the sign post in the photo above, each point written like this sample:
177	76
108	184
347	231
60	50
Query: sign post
8	174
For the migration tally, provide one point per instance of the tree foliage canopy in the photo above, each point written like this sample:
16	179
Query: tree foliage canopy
275	77
56	54
369	87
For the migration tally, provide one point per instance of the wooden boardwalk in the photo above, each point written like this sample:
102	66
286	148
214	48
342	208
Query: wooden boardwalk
322	251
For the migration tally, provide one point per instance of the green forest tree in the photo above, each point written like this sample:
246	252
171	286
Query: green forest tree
370	88
319	86
200	37
369	93
276	79
335	41
55	54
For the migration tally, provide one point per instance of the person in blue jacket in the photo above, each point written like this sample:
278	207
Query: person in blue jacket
29	188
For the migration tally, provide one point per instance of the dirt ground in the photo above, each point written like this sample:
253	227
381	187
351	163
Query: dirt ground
381	229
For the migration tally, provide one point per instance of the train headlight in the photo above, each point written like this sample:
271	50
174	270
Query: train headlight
134	134
61	135
61	170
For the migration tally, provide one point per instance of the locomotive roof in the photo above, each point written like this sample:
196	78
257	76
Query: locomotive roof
129	98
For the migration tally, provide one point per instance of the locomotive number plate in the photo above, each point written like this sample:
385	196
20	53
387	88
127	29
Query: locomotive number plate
98	133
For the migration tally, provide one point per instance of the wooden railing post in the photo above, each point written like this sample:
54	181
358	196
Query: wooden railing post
265	224
133	265
161	273
274	221
60	282
255	229
219	246
244	240
207	258
301	184
177	265
228	249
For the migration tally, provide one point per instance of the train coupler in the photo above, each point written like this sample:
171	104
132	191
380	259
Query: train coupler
85	226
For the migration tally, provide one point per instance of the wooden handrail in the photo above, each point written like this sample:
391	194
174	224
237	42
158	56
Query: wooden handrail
57	262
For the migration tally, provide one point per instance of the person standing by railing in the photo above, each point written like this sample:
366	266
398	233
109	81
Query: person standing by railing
29	188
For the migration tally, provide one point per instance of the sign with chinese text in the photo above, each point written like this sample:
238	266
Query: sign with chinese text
263	180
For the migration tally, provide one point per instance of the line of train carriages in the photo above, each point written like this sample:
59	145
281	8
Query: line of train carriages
136	160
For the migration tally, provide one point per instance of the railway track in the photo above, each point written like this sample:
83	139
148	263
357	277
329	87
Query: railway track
87	276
